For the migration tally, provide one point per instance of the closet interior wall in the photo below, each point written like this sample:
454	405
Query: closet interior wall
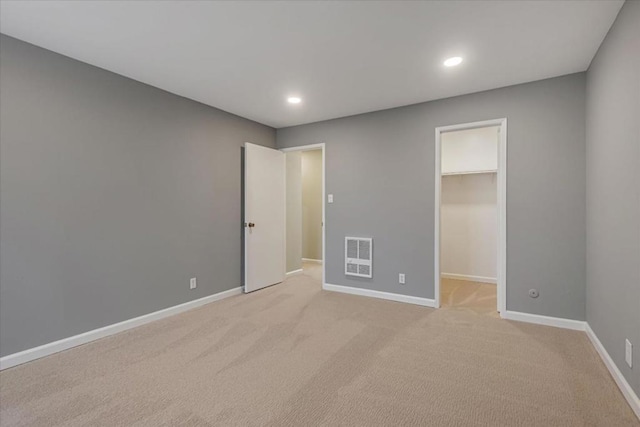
469	204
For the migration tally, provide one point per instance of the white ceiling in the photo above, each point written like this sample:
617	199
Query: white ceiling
342	58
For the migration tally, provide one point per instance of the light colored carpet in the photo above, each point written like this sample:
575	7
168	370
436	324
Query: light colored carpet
294	355
474	297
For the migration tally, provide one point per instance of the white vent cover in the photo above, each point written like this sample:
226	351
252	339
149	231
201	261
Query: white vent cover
358	256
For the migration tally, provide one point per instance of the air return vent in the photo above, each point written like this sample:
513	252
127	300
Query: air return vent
358	253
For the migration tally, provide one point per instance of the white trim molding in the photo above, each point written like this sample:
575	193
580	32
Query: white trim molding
426	302
294	272
538	319
501	273
319	146
469	278
620	380
28	355
317	261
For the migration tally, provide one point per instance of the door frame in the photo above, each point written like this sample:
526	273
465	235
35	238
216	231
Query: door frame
311	147
501	268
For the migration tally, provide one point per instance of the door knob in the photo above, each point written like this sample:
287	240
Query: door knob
251	225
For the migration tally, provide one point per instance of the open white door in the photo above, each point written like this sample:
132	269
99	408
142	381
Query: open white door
264	218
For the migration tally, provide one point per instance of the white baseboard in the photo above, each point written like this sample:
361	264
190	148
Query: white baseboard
469	278
538	319
294	272
317	261
426	302
19	358
620	380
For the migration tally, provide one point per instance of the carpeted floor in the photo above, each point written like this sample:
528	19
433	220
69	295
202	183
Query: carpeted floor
294	355
474	297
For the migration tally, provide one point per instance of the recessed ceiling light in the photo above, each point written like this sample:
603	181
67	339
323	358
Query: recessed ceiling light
452	62
294	100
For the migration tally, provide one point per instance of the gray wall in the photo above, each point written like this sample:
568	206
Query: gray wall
312	204
294	210
113	194
380	168
613	191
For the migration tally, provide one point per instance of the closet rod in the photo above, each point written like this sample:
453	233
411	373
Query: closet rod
469	172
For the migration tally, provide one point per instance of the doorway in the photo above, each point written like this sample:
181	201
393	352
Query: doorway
470	216
305	211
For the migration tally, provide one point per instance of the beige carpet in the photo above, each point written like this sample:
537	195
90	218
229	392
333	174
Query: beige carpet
474	297
294	355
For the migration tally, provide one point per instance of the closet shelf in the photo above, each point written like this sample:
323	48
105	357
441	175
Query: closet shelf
469	172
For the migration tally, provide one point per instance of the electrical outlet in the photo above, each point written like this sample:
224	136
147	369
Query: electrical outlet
193	283
401	278
628	352
330	198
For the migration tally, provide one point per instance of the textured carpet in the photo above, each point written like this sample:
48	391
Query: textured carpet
294	355
474	297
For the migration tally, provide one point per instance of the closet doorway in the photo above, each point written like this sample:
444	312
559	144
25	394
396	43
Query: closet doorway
305	241
470	216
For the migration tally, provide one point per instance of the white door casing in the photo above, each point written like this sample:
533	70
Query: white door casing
502	207
310	147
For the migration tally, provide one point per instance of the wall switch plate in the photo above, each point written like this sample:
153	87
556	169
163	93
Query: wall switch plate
330	198
628	352
401	278
193	283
